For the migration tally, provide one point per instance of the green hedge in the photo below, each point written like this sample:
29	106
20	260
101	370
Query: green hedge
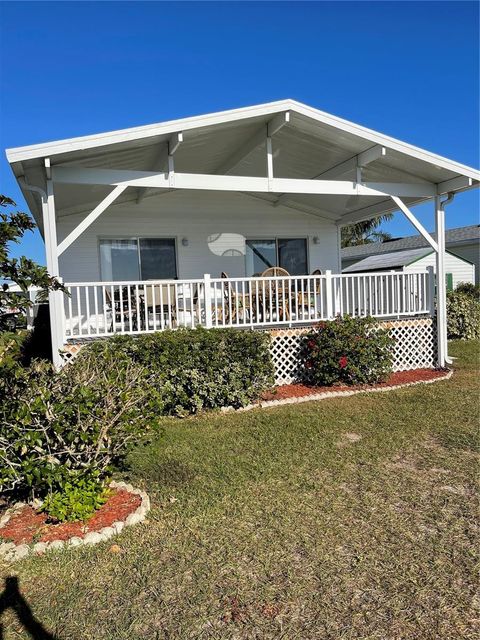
196	369
463	315
347	351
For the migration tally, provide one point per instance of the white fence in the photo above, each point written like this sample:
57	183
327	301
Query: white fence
107	308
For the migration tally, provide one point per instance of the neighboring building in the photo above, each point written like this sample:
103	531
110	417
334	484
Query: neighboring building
462	241
457	269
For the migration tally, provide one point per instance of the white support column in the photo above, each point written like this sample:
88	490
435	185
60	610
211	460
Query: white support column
441	287
55	298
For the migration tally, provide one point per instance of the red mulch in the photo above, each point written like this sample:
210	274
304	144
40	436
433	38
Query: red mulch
286	391
28	525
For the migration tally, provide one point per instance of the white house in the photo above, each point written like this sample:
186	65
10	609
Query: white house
457	269
141	223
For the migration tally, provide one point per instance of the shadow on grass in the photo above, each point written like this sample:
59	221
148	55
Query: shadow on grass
12	598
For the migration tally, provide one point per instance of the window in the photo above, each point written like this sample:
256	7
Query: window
138	259
289	253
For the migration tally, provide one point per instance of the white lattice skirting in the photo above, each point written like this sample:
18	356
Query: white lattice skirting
415	348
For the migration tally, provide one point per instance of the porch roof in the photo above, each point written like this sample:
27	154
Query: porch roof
307	144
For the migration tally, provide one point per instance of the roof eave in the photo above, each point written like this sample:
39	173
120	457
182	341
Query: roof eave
49	149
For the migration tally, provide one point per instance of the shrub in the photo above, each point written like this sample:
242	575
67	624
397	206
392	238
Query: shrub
58	427
463	315
347	351
62	433
197	369
472	290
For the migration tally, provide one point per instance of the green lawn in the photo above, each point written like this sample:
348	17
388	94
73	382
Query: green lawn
281	523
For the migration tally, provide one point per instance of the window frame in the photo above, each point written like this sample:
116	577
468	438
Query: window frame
276	239
137	239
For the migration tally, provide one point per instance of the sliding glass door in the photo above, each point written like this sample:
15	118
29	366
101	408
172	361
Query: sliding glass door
138	259
288	253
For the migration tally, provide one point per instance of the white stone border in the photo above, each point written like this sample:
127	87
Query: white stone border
335	394
12	552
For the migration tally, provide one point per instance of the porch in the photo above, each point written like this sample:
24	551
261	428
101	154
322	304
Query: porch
279	173
99	309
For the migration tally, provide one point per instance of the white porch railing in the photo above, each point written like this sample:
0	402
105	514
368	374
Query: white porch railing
106	308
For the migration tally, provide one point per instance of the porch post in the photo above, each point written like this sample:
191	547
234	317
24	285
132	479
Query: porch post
441	287
208	300
329	294
431	290
55	298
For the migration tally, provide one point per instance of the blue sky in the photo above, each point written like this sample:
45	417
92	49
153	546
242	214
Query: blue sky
408	69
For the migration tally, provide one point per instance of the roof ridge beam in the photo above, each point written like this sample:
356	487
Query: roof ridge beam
256	140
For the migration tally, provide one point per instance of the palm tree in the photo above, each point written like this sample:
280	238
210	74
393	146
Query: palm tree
366	232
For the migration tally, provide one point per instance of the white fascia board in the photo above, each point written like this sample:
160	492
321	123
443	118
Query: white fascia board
138	133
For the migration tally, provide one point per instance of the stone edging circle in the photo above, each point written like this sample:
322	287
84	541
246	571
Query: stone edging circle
334	394
11	552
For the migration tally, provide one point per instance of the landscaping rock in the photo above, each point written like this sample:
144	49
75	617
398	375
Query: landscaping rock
56	544
75	541
5	547
21	551
108	532
133	518
40	547
118	526
93	538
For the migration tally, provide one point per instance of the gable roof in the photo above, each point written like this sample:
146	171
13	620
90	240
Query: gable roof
460	235
312	143
393	260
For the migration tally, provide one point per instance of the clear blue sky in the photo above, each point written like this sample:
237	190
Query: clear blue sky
408	69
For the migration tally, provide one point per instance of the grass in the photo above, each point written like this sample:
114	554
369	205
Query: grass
282	523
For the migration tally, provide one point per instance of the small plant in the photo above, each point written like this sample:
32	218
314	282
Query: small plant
347	351
78	499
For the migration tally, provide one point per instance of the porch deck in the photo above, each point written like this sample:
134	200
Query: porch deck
99	309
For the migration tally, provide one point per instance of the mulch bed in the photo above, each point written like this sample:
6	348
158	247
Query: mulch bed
28	525
287	391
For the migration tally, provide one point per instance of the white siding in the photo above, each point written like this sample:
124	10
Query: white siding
199	217
470	252
461	271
